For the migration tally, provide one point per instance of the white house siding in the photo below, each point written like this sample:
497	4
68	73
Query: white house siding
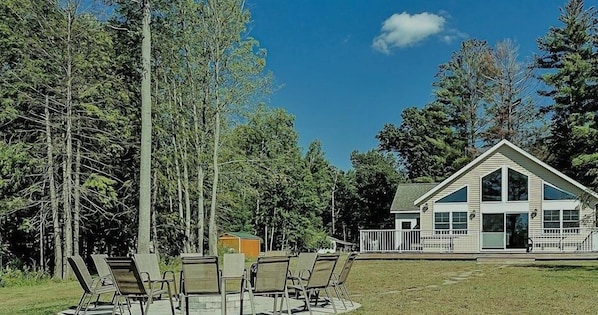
504	156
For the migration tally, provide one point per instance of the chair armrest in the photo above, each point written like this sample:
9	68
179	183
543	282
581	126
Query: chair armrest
147	275
168	272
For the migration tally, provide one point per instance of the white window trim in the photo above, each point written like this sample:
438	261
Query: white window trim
451	230
561	228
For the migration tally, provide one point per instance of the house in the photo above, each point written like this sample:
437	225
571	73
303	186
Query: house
506	200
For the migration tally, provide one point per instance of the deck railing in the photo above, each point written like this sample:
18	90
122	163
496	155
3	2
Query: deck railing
468	241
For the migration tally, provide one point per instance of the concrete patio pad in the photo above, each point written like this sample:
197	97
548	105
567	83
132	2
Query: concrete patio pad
263	305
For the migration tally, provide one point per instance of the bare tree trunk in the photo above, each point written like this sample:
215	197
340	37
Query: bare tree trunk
179	189
154	214
200	210
143	232
272	237
77	213
58	271
186	185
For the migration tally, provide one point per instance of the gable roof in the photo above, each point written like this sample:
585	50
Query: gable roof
243	235
488	153
407	193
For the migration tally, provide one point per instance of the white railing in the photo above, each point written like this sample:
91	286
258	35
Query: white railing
564	240
568	240
464	241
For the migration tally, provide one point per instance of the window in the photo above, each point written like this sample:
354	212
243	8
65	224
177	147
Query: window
457	196
552	219
570	219
517	186
557	219
459	220
442	220
553	193
492	186
452	222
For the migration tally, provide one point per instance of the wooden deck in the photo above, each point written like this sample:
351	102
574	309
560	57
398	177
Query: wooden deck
479	256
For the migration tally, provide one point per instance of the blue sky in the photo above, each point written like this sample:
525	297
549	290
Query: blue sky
345	68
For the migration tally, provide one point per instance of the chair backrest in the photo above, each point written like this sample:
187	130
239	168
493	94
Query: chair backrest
200	275
81	272
322	271
234	265
149	263
347	268
99	260
270	274
126	275
305	261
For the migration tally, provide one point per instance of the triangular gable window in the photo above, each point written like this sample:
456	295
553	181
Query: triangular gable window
457	196
553	193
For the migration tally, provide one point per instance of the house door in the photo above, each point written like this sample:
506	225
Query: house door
516	230
409	237
504	230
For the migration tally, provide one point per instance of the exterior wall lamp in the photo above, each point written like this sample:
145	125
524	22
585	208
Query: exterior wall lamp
472	214
425	207
534	213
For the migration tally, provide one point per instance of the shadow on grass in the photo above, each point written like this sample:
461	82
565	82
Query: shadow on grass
555	267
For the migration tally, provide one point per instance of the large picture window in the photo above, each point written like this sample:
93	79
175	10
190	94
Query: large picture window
492	186
457	196
553	193
451	222
517	183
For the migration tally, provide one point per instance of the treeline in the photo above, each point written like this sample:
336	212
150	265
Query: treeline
221	159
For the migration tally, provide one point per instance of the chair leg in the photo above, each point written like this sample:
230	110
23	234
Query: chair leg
275	298
339	295
186	305
346	292
307	298
286	296
170	298
251	300
141	306
330	299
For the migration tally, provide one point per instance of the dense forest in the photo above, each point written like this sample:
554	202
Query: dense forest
144	126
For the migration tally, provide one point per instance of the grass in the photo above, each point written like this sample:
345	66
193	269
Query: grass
409	287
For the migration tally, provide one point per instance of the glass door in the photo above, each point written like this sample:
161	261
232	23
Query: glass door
516	230
493	231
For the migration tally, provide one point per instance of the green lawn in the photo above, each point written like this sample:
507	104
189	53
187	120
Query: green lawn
410	287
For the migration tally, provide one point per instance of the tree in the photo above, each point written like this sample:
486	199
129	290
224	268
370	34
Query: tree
569	66
143	232
426	143
511	111
376	178
462	85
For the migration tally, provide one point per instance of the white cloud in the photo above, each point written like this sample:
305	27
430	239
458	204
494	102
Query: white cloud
403	30
453	35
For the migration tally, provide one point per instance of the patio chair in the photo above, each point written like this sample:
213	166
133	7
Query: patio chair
338	280
99	261
305	262
200	276
150	263
233	269
319	279
131	284
90	286
268	276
